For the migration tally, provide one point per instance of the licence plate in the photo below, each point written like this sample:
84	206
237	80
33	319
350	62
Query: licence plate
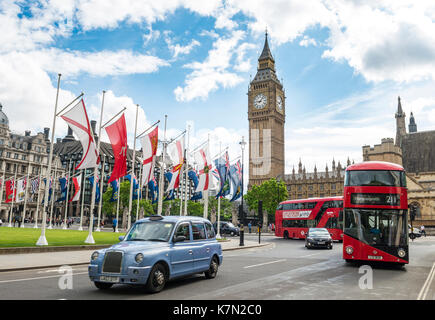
321	242
109	279
375	257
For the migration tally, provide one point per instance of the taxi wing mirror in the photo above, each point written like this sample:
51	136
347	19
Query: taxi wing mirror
121	238
179	238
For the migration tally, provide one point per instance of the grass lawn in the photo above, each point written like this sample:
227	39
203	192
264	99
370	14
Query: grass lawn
27	237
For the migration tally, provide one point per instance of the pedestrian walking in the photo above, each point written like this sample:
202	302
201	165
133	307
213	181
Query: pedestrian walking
1	222
114	224
422	230
249	227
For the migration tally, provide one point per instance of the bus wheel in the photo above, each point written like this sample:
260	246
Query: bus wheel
286	235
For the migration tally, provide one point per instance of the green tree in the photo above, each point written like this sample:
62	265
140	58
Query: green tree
271	192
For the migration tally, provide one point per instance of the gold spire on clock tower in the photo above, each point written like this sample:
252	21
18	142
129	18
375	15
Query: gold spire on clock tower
266	115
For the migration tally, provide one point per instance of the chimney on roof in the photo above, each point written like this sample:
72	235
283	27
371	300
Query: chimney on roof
27	133
46	133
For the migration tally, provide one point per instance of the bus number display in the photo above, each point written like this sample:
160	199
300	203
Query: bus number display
385	199
296	214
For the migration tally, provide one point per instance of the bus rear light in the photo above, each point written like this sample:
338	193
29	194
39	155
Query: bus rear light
349	250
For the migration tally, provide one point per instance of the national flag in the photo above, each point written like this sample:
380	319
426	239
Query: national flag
194	177
77	182
171	195
63	188
21	189
152	186
149	150
77	119
135	186
50	189
10	190
177	156
115	190
117	133
205	169
97	188
236	180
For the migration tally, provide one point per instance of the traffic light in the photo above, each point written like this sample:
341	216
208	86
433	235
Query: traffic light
413	213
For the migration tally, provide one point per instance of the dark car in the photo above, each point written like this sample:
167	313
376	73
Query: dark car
227	228
318	238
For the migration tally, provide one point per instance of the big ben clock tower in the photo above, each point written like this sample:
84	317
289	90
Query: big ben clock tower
266	115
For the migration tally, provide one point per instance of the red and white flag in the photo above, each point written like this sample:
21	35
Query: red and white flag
117	133
77	182
78	120
176	153
149	149
10	190
205	169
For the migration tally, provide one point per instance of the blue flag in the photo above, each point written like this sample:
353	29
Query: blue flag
135	186
194	177
115	190
97	190
236	181
63	188
50	190
223	168
171	195
152	186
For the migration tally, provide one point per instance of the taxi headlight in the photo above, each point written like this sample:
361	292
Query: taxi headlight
349	250
95	255
139	258
401	253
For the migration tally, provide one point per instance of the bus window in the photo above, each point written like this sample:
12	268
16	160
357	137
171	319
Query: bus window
311	205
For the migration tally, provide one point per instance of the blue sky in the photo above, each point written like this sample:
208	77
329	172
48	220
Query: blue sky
343	64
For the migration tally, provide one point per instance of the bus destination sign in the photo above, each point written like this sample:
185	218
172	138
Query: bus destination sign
383	199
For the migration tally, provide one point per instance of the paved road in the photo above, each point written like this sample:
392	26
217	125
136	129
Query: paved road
284	270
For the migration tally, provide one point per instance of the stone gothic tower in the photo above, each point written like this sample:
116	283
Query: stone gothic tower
266	115
400	124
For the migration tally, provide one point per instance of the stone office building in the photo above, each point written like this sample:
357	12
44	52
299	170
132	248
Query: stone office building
22	155
415	151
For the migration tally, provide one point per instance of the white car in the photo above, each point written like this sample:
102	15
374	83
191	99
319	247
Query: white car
413	232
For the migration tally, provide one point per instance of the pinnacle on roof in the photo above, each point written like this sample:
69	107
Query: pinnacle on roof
266	54
399	107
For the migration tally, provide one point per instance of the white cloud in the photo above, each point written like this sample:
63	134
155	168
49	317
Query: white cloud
178	49
307	41
213	72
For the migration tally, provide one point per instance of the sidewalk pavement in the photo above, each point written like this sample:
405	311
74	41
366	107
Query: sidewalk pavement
26	261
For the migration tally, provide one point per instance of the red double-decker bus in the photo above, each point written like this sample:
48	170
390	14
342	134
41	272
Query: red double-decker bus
293	218
375	213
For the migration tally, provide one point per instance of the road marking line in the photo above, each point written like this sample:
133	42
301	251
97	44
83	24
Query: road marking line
262	264
425	289
309	255
39	278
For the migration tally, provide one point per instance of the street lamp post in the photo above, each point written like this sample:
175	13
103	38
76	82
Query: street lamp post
241	211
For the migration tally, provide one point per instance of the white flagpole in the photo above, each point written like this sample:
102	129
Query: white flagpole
206	191
162	172
13	196
219	205
82	187
52	197
37	204
117	205
90	238
101	193
25	194
67	194
42	241
132	171
139	193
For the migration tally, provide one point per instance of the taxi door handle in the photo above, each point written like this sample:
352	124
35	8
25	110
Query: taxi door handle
208	249
190	252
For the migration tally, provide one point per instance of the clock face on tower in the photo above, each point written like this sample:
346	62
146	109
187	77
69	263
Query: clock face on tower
279	103
260	101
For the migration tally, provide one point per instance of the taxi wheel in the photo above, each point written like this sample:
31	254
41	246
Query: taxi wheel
212	271
232	233
103	285
157	279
